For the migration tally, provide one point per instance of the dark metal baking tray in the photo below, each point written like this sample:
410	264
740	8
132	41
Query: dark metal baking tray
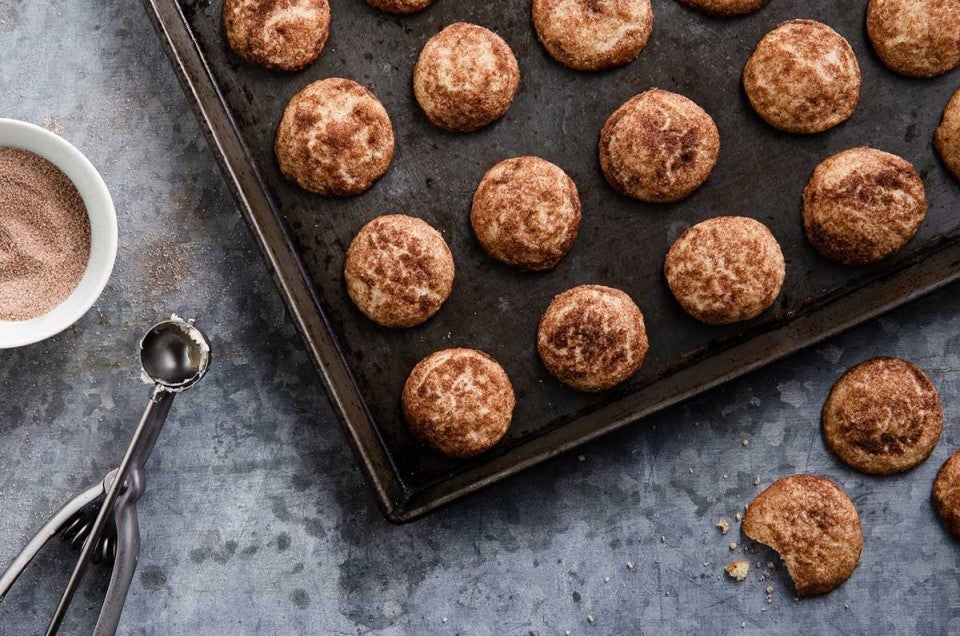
557	115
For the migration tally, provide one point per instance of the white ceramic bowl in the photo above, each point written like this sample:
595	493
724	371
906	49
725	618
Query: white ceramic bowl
103	232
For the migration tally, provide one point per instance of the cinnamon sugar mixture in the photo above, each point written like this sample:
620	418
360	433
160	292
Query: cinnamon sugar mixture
44	235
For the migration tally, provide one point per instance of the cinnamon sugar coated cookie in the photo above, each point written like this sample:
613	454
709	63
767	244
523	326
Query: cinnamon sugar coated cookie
813	526
726	7
335	137
917	38
460	401
659	147
947	136
283	35
400	6
399	271
725	269
862	205
882	417
592	338
466	77
526	213
946	494
587	35
803	77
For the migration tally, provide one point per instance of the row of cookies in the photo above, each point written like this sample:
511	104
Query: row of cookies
917	38
460	401
882	417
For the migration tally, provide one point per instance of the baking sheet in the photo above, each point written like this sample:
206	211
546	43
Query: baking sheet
557	115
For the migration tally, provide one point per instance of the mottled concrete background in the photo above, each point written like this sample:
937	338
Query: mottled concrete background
256	518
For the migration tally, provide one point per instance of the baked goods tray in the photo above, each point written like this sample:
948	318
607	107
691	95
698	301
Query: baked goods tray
557	114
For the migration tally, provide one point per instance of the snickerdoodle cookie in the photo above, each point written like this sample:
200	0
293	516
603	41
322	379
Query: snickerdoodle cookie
658	146
587	35
335	137
946	494
283	35
726	7
883	416
917	38
725	269
803	77
460	401
947	136
398	270
592	338
526	213
862	204
814	527
401	6
466	77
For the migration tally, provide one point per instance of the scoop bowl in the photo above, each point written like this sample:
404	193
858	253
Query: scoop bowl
174	354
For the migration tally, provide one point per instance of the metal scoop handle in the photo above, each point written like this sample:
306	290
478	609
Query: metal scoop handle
125	562
143	440
47	532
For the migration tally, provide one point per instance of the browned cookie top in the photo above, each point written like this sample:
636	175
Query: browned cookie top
335	137
591	35
947	137
526	213
399	270
726	7
466	77
862	204
814	527
592	337
946	494
883	416
460	401
725	269
918	38
658	146
803	77
283	35
401	6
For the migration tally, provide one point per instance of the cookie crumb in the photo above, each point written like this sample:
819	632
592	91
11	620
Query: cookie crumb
756	480
733	546
581	458
724	526
737	516
629	565
738	570
663	538
769	590
590	618
745	442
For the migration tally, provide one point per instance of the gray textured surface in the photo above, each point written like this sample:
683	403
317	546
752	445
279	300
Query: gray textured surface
255	517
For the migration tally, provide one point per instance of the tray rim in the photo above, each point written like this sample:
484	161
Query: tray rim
930	267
